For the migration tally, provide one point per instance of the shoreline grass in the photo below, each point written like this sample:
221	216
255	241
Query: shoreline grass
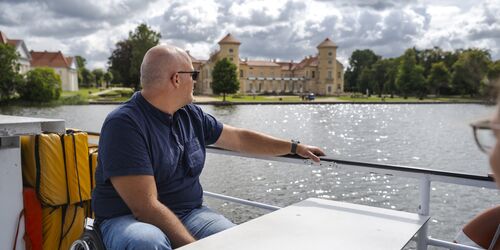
411	99
361	99
259	98
95	95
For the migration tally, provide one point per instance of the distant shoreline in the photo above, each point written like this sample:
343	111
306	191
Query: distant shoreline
220	103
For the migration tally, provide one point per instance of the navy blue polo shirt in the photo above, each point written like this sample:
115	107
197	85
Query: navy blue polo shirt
139	139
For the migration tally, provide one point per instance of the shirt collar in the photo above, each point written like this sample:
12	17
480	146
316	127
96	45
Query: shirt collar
162	116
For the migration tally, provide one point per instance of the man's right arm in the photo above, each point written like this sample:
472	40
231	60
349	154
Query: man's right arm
140	195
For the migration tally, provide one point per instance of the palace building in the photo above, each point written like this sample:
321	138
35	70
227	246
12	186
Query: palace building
321	74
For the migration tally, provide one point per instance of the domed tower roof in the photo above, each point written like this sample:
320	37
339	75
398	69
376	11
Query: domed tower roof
327	43
229	39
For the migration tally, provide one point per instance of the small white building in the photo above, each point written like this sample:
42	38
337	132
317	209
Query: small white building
65	67
25	56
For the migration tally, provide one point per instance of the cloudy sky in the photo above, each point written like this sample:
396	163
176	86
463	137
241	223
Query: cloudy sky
282	29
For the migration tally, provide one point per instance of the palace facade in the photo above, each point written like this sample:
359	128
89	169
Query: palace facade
321	74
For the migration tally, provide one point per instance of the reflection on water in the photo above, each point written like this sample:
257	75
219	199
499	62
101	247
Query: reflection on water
428	136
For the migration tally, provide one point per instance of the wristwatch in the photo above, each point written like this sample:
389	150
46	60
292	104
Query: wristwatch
294	146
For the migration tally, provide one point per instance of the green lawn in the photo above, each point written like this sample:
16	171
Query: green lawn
75	97
409	99
84	95
258	98
83	92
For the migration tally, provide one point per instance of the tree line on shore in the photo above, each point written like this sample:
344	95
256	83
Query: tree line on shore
417	73
465	72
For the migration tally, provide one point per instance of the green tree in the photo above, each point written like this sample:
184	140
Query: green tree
439	78
80	64
119	63
391	75
470	70
380	75
359	60
87	77
427	57
225	78
125	61
491	90
142	40
42	85
366	80
9	68
410	77
450	58
98	77
419	82
494	73
108	77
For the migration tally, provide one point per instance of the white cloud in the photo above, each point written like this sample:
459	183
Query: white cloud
283	29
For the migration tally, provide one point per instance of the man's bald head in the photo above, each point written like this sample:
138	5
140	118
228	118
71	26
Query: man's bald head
160	63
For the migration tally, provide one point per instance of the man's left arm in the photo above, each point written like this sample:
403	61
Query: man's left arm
251	142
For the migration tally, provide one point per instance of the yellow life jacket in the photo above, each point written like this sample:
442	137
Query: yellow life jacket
62	225
57	166
61	168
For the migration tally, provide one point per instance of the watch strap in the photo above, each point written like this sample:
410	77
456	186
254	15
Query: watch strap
294	146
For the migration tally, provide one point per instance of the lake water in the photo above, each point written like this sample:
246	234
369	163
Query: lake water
429	136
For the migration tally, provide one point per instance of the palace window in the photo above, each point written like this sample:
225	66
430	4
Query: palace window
329	61
230	50
241	73
312	74
339	75
330	74
330	53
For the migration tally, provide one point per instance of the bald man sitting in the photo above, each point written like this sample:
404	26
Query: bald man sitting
151	154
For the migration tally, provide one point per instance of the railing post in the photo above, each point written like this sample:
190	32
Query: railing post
423	209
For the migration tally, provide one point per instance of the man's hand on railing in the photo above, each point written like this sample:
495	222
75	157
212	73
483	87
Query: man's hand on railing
309	152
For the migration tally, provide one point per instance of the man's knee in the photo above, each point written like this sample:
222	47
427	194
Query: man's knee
128	233
150	238
204	222
220	224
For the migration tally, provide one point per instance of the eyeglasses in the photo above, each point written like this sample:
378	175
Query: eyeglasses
485	134
194	74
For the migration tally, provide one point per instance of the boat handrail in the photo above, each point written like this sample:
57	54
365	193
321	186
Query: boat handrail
465	179
426	176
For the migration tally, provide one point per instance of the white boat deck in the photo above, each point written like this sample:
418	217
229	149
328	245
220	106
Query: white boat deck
17	125
320	224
